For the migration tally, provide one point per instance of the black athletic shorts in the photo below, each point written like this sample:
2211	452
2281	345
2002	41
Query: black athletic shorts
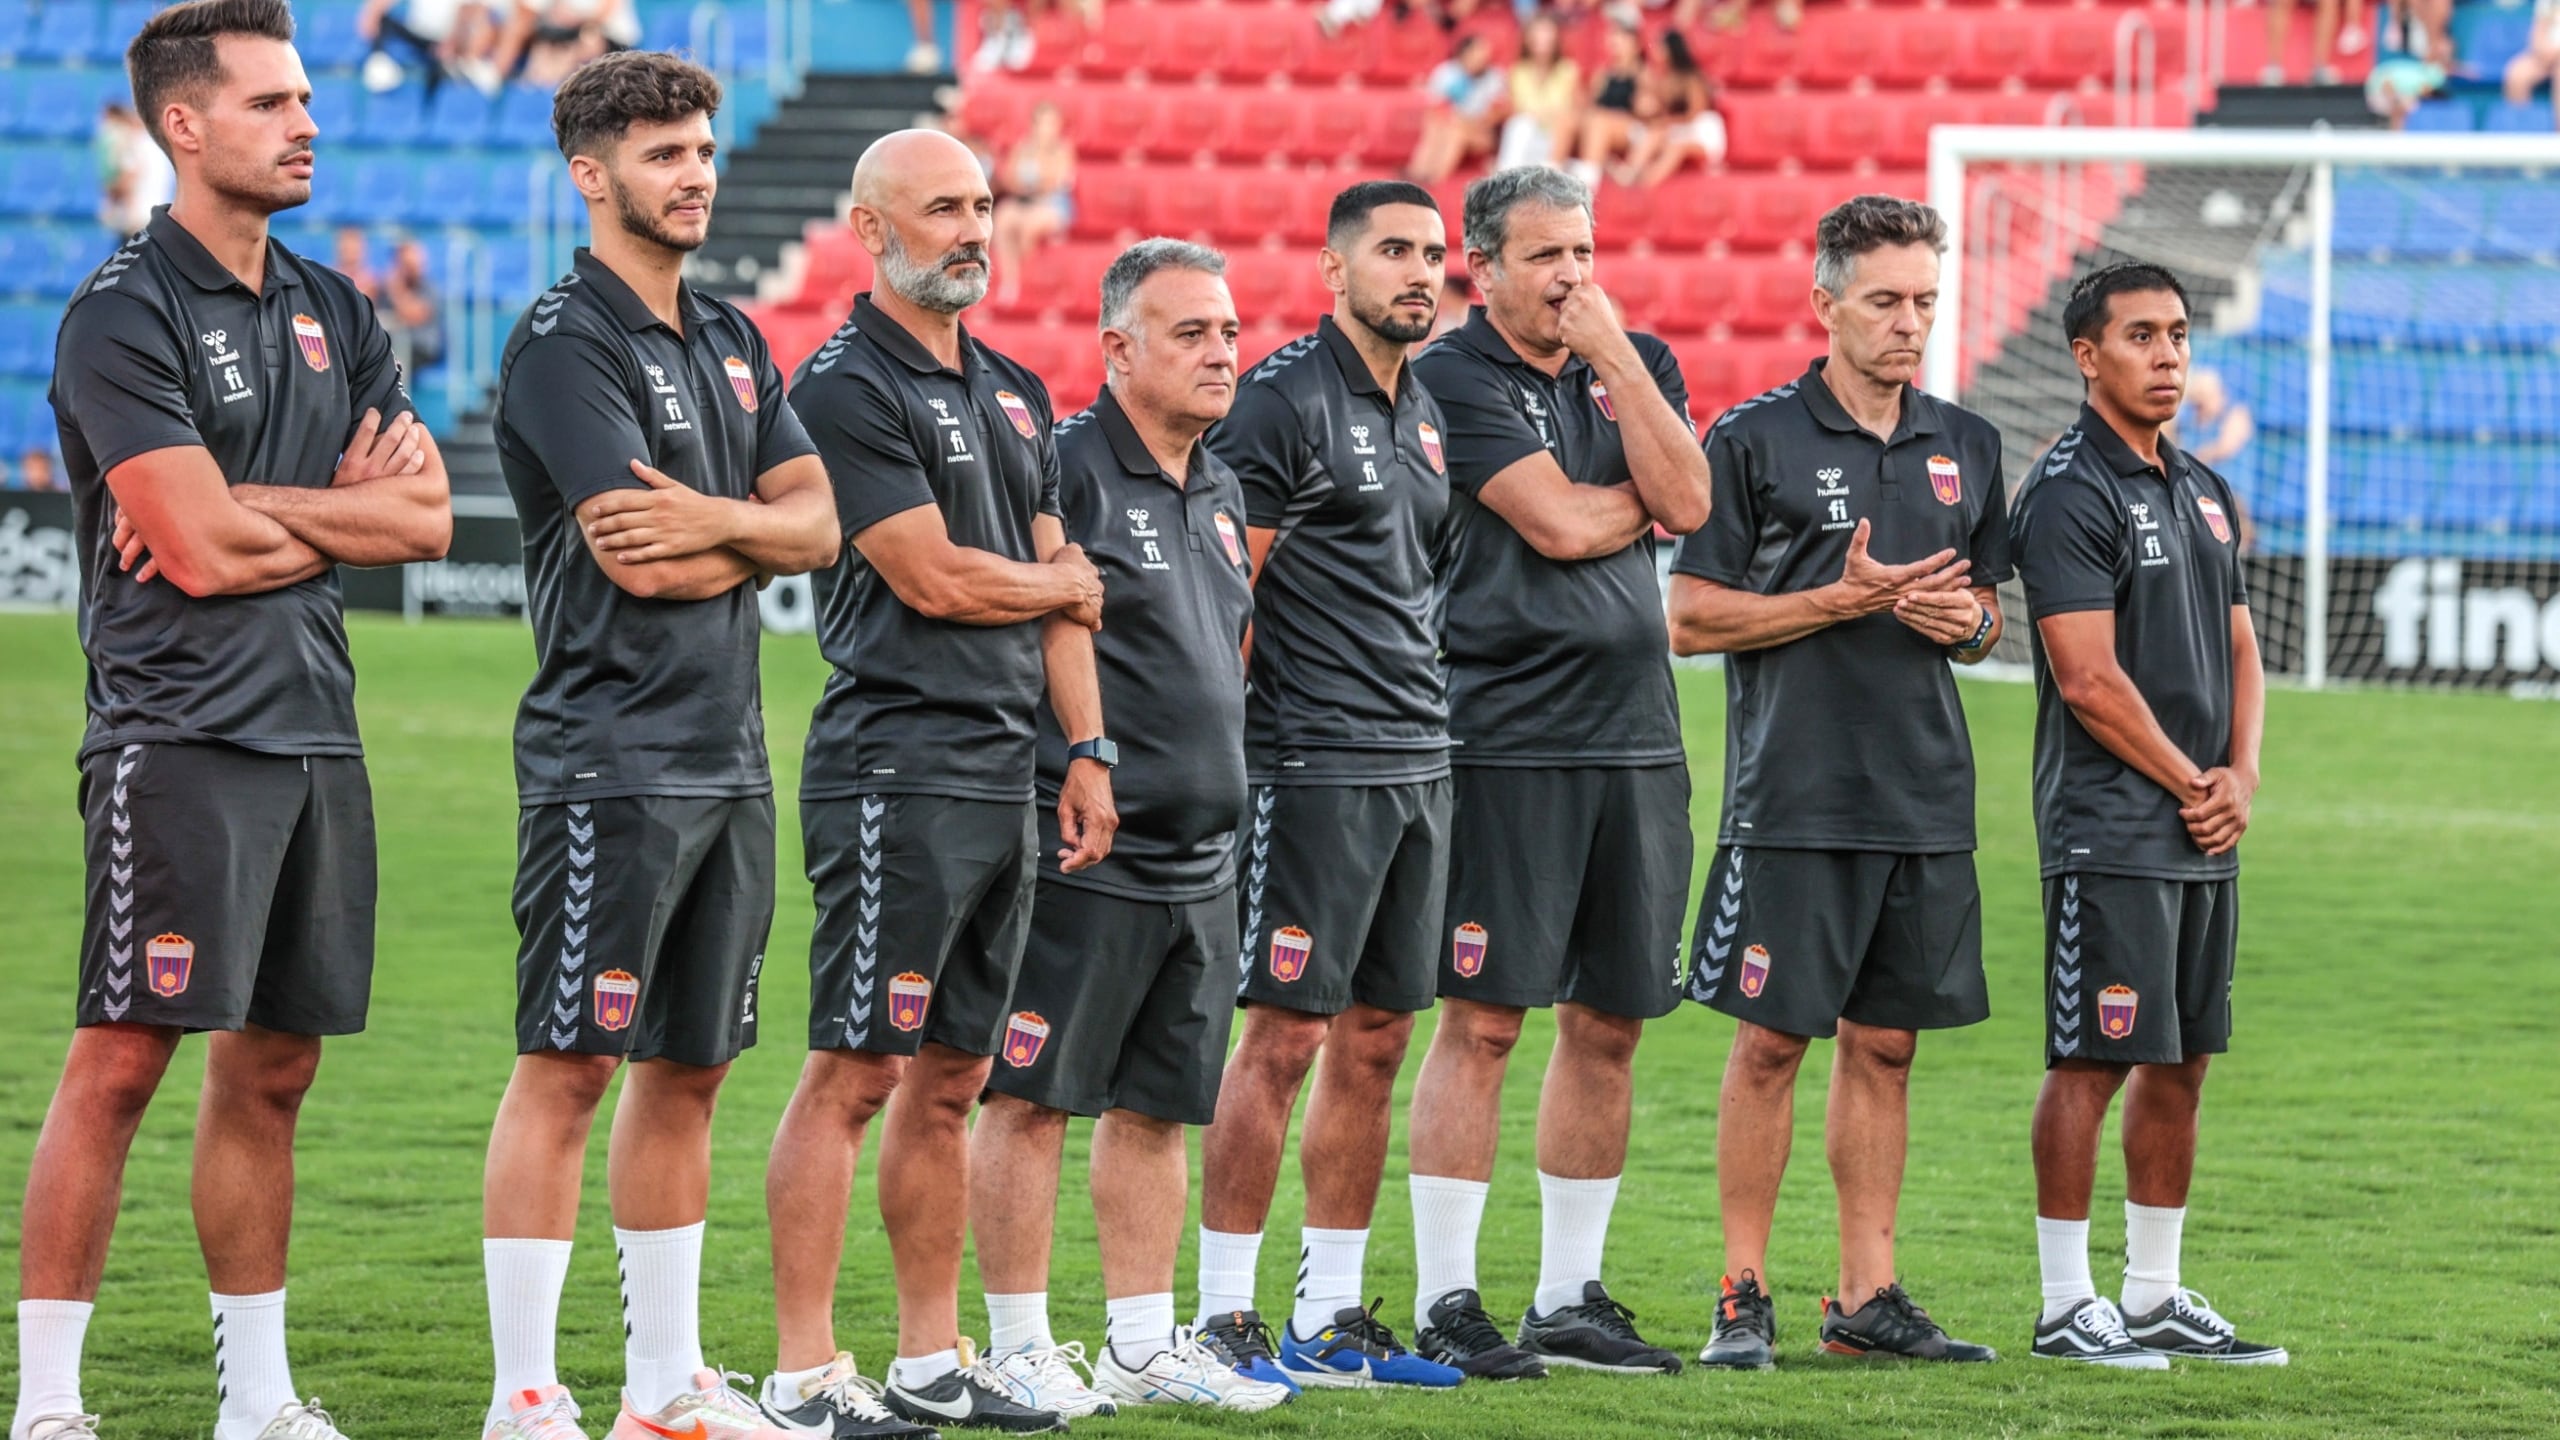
1342	890
2137	971
226	888
1568	885
644	920
923	906
1797	941
1122	1005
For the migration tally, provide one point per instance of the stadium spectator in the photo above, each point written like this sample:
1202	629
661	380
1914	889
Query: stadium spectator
2220	424
924	57
133	174
35	470
1004	32
353	258
2399	84
544	41
1546	99
2539	61
2325	48
1036	196
1730	15
443	37
1467	98
1685	125
1611	123
411	306
1338	15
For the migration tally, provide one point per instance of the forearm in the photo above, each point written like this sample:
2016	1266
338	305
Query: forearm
1976	654
792	534
2115	714
387	521
2248	704
1662	452
1601	520
980	587
1075	686
700	576
271	559
1739	620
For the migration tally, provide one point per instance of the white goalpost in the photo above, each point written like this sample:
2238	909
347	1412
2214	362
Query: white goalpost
2376	367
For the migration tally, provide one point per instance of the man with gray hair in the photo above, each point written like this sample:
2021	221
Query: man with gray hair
1858	529
959	595
1569	440
1128	988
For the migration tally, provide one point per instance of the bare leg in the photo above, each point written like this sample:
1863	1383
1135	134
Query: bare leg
1456	1122
1589	1093
1349	1115
924	1191
658	1165
1139	1175
1755	1127
538	1147
254	1081
1865	1133
1240	1152
2071	1110
2279	30
1013	1192
76	1179
808	1184
2161	1104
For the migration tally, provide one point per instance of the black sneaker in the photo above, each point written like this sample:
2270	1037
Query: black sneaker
1598	1334
1460	1333
1241	1339
1892	1326
2186	1327
843	1405
972	1397
1746	1335
2093	1334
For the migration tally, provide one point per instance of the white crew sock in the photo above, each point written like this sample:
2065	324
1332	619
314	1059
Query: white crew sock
524	1278
1226	1271
1328	1277
50	1333
2062	1251
1573	1228
786	1389
1446	1215
1018	1322
2151	1236
661	1313
917	1371
1138	1328
249	1363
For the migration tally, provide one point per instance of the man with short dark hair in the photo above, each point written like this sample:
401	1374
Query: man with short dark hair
1346	853
235	428
1842	898
660	479
1569	867
2150	702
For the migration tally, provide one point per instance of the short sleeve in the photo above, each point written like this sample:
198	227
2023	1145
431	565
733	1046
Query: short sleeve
872	459
2065	540
1485	433
374	381
780	437
1260	440
119	380
567	402
1721	549
1988	547
1051	481
1668	379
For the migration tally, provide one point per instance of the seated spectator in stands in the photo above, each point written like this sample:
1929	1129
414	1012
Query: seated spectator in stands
1546	98
1035	197
2216	424
1619	105
1338	15
1004	30
353	258
546	39
411	307
35	470
2324	38
2539	61
442	37
924	57
1732	13
1467	97
1685	125
133	174
2399	84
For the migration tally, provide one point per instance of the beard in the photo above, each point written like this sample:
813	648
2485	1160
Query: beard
1390	324
933	287
639	222
260	187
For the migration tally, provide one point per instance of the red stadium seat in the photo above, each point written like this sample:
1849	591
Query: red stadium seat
1761	56
1399	52
1780	210
1111	199
997	110
2073	45
1252	204
1839	46
1906	141
1772	294
1686	286
1184	201
1691	212
1637	282
1996	48
1129	35
1623	214
1765	130
837	263
1920	47
1847	129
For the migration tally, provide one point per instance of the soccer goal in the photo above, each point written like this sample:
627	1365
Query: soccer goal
2376	365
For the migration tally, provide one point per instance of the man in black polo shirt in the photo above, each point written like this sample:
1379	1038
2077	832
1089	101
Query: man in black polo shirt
959	597
1346	860
1569	871
234	427
1128	987
658	476
1842	900
2149	706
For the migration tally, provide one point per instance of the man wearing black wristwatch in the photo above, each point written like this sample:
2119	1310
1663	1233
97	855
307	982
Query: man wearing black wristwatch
1857	530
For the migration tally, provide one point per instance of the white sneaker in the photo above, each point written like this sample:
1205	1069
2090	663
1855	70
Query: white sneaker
992	46
924	58
1053	1380
1019	47
63	1427
546	1413
1188	1374
304	1420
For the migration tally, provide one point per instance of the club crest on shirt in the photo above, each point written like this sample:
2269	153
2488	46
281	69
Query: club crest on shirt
2117	1005
1755	971
1945	480
909	994
313	340
1017	412
170	962
1227	537
1466	950
2214	519
617	999
1430	439
1024	1034
1600	397
1290	947
742	380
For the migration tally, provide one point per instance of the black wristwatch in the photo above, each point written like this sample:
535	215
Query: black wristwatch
1981	633
1106	751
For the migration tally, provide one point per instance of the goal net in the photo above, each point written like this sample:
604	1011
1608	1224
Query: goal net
2376	365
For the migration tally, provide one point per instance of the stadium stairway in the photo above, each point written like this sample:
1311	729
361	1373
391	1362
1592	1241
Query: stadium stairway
800	166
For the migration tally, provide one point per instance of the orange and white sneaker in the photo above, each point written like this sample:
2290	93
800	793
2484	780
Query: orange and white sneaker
711	1410
545	1413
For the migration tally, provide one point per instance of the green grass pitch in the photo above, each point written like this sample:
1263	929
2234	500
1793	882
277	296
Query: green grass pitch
2375	1190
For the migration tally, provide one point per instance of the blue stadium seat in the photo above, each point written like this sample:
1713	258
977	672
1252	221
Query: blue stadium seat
2486	37
16	21
2458	303
2471	495
125	19
2452	114
2379	484
2444	217
2524	221
47	180
524	117
26	418
2467	395
2537	486
60	104
26	339
326	35
2529	312
2531	118
461	115
336	105
396	117
2370	213
2377	392
2267	474
2533	390
69	30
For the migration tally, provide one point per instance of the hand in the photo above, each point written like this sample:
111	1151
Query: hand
1948	617
2220	814
1866	586
664	522
1588	325
1086	817
129	548
377	451
1077	567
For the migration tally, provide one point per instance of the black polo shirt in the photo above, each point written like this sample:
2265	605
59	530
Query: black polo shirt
1178	596
1550	662
919	706
2100	528
1347	687
163	347
634	696
1853	737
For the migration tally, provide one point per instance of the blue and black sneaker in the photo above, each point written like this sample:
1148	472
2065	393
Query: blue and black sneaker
1241	1339
1358	1352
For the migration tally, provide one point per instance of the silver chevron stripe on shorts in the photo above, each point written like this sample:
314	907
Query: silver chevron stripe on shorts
1257	871
120	891
1706	976
866	935
2066	970
575	908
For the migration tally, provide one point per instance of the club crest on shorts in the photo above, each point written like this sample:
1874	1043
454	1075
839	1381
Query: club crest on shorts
1600	397
1227	537
2214	519
1755	971
2117	1005
1024	1034
1290	947
1017	412
742	380
617	999
1945	480
313	340
1430	438
171	962
1466	950
909	994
